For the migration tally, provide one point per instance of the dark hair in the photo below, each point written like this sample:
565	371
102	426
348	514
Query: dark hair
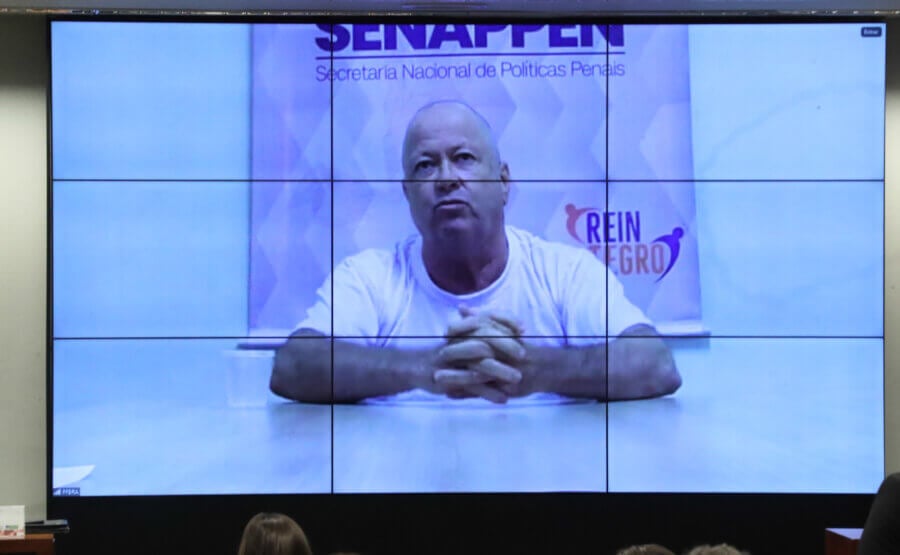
273	534
882	531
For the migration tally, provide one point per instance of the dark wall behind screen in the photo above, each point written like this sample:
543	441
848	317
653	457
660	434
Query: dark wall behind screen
472	524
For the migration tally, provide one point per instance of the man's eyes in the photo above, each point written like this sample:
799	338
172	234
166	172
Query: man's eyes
423	165
428	166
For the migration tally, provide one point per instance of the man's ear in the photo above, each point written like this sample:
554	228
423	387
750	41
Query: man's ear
505	181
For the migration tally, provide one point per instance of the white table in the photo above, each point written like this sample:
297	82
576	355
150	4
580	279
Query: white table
753	415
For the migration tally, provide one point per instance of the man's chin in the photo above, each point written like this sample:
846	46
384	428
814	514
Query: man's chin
456	230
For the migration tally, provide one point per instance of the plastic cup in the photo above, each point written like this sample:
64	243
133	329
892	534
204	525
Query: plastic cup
247	377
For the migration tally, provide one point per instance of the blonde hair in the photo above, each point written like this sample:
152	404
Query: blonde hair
721	549
646	549
273	534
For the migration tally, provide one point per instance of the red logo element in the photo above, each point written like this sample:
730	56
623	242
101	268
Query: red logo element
573	214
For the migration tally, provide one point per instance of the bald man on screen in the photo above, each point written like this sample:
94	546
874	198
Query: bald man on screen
470	307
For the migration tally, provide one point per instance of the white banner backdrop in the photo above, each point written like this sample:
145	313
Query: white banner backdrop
594	122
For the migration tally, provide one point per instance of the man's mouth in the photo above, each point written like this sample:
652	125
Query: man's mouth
451	203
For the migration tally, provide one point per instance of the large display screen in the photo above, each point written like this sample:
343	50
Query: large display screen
422	257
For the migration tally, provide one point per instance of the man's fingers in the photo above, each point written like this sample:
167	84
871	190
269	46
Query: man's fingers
488	392
460	393
484	371
487	325
472	324
479	358
507	347
509	389
508	321
497	370
462	384
492	393
505	319
460	377
464	351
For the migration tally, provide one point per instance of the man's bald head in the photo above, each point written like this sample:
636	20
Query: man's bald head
449	114
454	181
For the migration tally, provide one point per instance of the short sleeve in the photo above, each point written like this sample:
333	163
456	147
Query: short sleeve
594	303
623	314
345	305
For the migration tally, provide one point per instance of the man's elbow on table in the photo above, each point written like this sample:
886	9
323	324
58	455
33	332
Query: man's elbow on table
660	375
666	379
292	380
648	370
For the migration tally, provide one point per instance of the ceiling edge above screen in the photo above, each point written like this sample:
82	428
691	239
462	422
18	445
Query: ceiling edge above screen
463	8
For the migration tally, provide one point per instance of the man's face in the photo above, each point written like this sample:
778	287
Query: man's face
454	182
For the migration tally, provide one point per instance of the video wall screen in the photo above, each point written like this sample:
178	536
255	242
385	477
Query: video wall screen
396	256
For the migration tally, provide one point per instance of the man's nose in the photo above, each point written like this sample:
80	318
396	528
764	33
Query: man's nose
447	176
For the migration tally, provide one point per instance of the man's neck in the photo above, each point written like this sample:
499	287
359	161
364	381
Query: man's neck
463	267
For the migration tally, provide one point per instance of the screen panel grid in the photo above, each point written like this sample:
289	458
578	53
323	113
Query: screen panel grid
447	250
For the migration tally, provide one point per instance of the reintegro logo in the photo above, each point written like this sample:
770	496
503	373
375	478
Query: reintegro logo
615	237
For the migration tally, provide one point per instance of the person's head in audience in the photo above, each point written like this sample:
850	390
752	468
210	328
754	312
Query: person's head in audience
721	549
645	549
273	534
881	533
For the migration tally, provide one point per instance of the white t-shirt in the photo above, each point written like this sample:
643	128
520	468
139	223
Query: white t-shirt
558	292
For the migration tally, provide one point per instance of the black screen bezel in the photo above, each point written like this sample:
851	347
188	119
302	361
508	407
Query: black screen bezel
443	523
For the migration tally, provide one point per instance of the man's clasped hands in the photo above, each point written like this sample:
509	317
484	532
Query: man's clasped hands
484	357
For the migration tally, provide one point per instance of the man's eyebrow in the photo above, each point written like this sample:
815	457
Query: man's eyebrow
419	152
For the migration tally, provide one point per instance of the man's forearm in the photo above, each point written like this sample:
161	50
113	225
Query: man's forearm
634	366
307	370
